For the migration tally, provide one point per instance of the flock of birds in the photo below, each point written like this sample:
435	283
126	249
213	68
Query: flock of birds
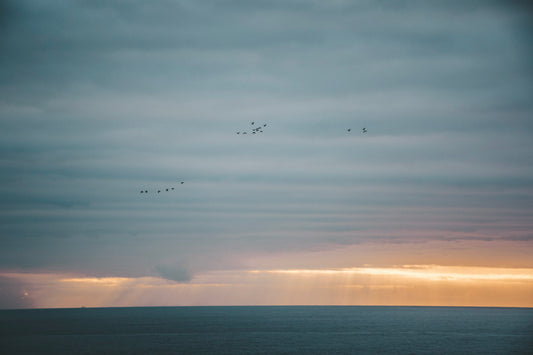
160	190
259	129
363	130
255	129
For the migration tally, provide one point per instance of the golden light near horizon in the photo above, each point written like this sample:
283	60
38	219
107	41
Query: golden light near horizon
423	285
426	272
104	281
413	285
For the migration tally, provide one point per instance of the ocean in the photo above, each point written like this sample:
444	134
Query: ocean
268	330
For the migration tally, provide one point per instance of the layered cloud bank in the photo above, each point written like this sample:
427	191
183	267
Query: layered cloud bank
100	100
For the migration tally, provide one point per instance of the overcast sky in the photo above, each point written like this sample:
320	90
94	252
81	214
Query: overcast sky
102	99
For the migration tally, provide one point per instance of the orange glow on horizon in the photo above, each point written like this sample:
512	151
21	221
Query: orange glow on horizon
105	281
422	285
426	272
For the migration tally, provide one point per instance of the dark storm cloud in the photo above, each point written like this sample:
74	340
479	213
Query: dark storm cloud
99	100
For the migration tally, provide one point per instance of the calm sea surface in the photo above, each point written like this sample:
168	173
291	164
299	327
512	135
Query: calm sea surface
268	330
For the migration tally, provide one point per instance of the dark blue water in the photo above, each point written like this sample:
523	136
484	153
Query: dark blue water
268	330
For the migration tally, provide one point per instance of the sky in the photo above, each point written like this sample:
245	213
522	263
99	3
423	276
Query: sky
100	100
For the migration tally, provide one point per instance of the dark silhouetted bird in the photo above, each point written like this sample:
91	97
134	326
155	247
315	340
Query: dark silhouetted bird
364	130
253	122
182	182
349	129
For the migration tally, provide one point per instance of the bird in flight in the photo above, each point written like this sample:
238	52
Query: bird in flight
349	129
364	130
254	130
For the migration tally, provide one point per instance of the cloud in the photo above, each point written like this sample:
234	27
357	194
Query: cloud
100	100
173	273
